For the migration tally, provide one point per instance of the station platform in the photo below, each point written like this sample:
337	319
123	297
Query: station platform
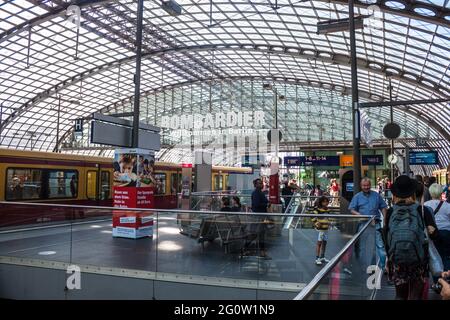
35	259
168	256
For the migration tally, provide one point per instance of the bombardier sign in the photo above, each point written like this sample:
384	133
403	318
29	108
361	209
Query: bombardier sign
248	119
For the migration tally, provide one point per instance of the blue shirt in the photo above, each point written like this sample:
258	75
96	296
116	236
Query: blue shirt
368	204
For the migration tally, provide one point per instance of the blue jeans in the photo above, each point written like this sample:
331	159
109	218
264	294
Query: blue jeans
379	243
368	242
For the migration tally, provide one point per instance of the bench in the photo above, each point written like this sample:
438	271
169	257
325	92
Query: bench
228	228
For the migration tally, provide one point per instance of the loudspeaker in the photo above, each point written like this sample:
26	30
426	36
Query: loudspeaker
392	130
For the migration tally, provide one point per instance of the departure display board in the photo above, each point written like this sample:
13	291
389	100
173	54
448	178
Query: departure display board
423	157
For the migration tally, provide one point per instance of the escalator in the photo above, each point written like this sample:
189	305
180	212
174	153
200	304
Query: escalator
295	206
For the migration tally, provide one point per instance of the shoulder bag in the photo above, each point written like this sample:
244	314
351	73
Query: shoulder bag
434	258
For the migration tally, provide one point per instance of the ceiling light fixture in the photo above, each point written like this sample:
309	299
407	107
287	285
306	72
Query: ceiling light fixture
171	7
337	25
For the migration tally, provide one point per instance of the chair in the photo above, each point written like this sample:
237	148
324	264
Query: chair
236	233
207	230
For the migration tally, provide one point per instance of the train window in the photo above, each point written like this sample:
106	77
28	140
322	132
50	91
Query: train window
225	179
160	183
173	183
105	185
91	185
23	184
62	184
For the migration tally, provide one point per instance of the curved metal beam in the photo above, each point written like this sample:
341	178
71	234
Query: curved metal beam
409	6
439	17
323	85
346	91
16	30
323	56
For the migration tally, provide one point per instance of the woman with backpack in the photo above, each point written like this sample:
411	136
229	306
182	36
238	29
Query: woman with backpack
405	239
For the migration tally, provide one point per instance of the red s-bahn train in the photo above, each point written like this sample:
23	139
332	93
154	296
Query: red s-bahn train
56	178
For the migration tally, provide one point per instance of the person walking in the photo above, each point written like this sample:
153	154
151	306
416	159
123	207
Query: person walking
258	227
404	233
369	203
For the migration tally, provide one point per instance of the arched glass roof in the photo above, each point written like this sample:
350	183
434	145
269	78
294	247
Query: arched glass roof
219	53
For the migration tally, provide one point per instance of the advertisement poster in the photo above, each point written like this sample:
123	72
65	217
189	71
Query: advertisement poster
134	169
134	187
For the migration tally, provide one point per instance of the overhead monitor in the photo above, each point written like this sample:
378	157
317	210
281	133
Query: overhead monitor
423	157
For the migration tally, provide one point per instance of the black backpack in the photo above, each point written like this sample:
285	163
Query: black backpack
406	241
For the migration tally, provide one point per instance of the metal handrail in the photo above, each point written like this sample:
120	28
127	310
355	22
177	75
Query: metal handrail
314	283
219	193
181	211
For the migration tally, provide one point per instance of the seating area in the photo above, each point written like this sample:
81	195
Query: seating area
232	231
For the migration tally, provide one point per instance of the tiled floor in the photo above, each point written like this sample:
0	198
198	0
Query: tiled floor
292	253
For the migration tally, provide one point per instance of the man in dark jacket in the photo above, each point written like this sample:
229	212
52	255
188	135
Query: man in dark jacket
259	199
258	227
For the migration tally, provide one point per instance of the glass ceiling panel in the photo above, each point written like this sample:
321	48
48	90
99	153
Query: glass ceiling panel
33	73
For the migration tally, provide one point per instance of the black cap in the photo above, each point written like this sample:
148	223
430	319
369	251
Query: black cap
404	187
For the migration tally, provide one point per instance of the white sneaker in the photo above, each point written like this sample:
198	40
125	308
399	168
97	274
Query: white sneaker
318	261
324	260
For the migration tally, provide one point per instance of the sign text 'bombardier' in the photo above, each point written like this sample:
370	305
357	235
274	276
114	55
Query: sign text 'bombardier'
229	119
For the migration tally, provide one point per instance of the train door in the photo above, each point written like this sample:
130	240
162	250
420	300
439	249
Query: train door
92	185
175	183
105	185
218	182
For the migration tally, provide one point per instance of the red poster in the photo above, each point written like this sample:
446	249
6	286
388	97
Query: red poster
133	224
124	197
274	191
144	197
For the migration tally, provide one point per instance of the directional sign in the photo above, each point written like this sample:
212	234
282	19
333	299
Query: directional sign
292	161
421	142
372	160
78	129
78	125
311	161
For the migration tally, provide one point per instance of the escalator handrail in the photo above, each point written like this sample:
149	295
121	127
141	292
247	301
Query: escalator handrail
315	282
